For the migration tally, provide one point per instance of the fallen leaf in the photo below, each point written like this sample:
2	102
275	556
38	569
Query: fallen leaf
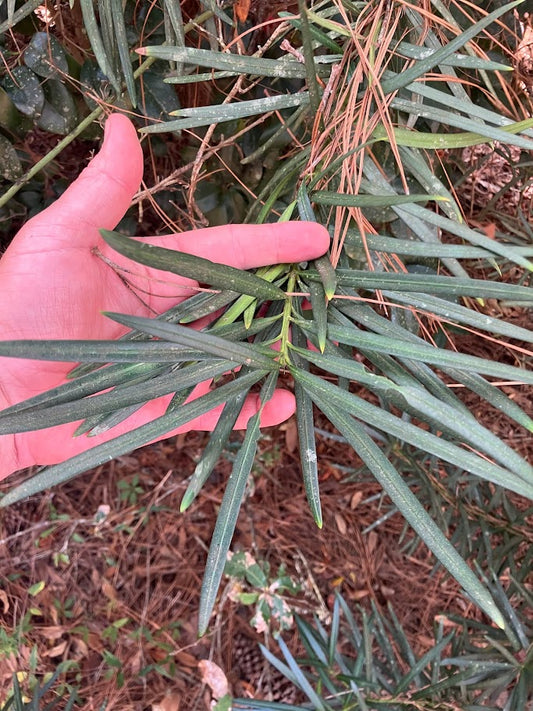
214	677
5	601
170	702
242	8
341	524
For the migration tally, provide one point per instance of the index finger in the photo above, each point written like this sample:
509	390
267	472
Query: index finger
249	246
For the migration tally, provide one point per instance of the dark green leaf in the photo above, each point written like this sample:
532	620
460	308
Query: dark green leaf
229	510
25	91
433	284
200	340
164	384
429	354
51	476
187	265
213	450
99	351
10	165
409	505
45	56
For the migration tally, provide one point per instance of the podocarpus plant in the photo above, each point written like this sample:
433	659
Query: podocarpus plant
368	95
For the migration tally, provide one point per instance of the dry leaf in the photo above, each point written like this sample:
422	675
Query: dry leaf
5	601
214	677
242	8
170	702
341	524
356	500
56	651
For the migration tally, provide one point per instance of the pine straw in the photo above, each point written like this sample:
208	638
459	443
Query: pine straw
145	562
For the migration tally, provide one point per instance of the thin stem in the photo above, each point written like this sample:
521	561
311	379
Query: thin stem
284	356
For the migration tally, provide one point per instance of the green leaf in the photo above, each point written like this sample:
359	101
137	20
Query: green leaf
284	68
161	426
429	354
88	385
25	91
213	449
408	505
205	342
229	510
99	351
10	165
403	430
205	115
93	32
442	141
29	420
460	314
438	57
121	42
160	99
306	440
325	197
187	265
59	110
320	313
45	56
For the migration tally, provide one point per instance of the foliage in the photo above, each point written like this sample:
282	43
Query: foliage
369	664
370	103
252	583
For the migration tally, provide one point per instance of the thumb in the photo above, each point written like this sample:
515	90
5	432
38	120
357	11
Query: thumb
102	193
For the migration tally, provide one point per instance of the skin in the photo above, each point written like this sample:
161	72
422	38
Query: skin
53	285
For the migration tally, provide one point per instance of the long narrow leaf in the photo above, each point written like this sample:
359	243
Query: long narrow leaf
433	284
51	476
204	342
27	421
187	265
229	510
409	506
307	442
429	354
99	351
401	429
423	66
213	449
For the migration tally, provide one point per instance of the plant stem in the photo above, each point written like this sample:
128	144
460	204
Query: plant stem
284	357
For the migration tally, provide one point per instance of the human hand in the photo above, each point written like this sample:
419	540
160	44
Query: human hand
53	285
